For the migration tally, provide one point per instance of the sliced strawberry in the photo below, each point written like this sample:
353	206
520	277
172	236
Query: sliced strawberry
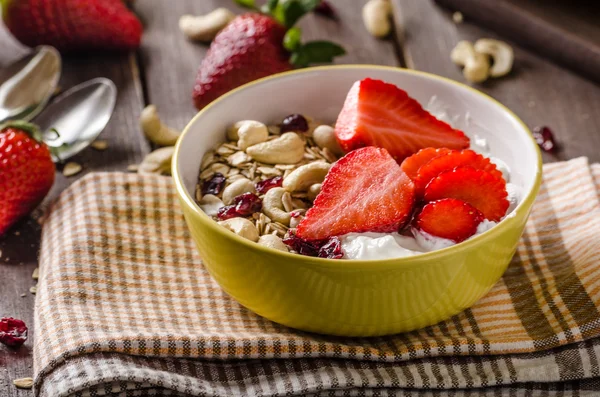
364	191
380	114
449	218
412	164
450	161
483	190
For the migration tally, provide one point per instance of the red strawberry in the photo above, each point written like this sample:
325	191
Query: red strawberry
256	45
364	191
380	114
412	164
248	48
449	218
26	173
73	25
483	190
450	161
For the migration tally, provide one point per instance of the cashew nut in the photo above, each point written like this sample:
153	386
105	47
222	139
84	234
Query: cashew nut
250	133
461	52
205	27
238	187
232	131
324	137
501	53
273	206
272	241
476	65
242	227
287	149
155	130
157	162
313	191
210	204
376	17
305	176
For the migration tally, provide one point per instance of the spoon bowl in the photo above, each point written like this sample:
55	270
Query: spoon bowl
76	118
27	84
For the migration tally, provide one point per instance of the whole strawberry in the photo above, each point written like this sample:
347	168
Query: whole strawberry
257	45
26	172
73	25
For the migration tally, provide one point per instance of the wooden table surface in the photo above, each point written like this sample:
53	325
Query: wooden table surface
163	70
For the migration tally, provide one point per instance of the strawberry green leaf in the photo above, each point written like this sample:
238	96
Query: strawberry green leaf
269	7
316	52
31	129
293	10
291	40
251	4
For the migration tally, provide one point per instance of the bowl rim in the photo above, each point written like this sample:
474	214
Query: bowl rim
521	210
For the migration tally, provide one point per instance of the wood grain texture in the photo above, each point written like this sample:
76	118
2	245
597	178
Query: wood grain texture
540	92
170	62
20	246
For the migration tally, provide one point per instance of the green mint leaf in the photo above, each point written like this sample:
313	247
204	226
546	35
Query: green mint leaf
291	40
292	11
271	5
318	52
251	4
309	5
299	59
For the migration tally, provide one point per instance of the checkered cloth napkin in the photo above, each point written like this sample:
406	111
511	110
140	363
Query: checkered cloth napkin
125	308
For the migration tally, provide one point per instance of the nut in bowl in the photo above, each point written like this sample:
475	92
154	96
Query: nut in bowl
360	297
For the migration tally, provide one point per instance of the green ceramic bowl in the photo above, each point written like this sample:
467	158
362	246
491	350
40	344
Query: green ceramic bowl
343	297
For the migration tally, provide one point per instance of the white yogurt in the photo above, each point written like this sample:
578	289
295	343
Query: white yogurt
364	246
378	246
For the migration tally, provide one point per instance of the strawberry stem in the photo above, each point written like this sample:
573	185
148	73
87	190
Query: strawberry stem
30	128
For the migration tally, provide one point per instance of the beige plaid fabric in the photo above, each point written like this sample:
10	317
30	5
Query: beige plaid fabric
125	308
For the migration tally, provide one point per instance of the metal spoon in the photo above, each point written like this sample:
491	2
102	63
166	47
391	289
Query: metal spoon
77	117
26	85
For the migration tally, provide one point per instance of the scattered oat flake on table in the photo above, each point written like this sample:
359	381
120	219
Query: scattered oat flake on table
23	383
457	17
100	144
36	273
33	290
132	168
72	168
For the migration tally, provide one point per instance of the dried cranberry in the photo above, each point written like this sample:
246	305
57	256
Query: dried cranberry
227	212
246	204
213	185
325	9
264	186
544	138
243	205
332	249
294	122
296	214
303	247
13	332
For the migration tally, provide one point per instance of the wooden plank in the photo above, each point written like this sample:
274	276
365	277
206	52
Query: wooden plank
539	92
171	62
20	246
